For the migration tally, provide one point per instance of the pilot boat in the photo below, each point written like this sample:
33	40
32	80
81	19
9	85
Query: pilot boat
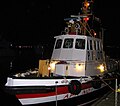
73	75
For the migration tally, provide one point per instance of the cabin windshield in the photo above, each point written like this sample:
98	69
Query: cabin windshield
80	44
58	44
69	43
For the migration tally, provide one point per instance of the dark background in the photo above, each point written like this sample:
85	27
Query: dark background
35	23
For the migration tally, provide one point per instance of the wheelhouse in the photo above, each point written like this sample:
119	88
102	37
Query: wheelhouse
68	47
78	55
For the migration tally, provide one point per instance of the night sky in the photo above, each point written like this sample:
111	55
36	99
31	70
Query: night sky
38	21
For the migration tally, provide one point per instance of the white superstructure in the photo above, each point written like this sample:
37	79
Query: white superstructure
78	55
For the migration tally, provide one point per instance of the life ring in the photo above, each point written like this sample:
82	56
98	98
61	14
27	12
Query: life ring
77	26
66	30
96	83
74	87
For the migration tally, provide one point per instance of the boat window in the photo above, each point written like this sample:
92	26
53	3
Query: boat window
80	44
87	45
68	43
98	47
95	45
58	44
91	48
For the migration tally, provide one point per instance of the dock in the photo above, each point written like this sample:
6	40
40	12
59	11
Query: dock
110	99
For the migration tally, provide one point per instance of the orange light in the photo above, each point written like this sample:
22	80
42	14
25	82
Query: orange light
86	4
94	33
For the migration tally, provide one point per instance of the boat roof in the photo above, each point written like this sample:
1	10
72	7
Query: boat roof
76	36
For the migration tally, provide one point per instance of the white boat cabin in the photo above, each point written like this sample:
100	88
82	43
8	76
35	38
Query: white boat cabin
78	55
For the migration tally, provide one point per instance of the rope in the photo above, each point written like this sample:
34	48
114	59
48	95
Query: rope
103	80
86	28
107	84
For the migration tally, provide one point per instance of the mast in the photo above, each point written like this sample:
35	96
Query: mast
78	24
85	10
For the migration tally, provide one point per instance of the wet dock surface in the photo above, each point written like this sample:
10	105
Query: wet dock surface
109	99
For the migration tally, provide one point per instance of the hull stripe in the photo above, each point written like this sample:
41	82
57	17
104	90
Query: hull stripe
60	90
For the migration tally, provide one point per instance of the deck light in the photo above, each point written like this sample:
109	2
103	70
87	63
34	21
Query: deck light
101	68
79	67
